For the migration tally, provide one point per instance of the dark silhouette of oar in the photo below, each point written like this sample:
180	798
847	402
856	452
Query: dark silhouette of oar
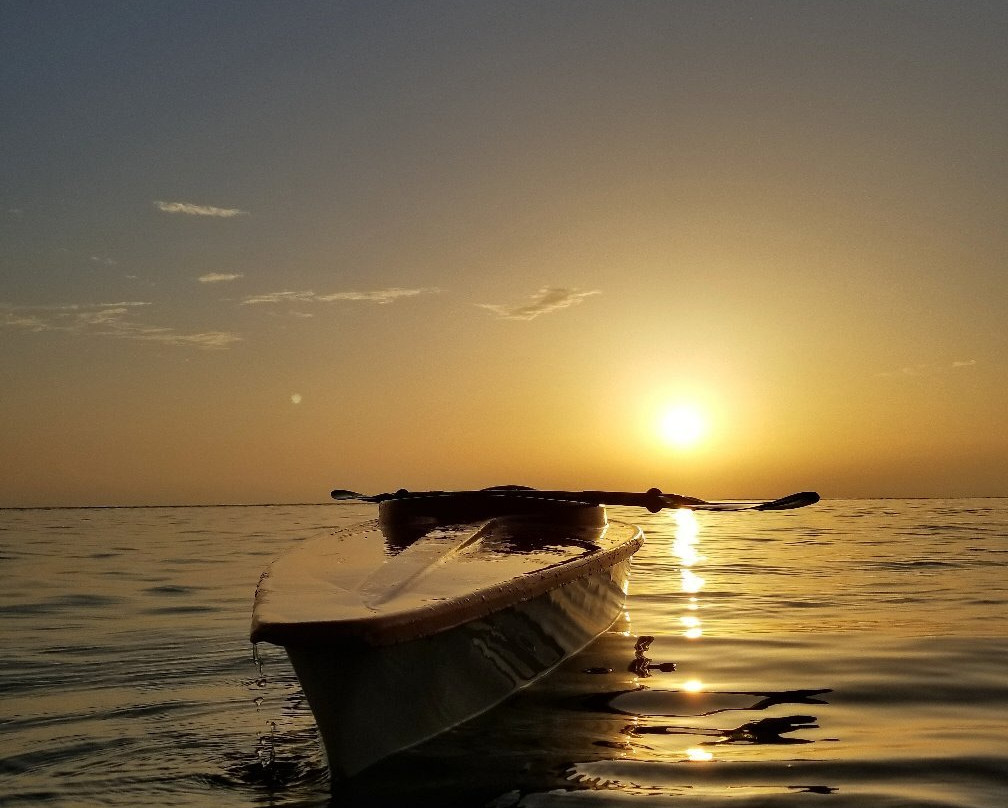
652	499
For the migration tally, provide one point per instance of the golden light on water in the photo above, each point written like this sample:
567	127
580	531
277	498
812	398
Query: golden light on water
698	754
691	582
684	548
693	629
687	531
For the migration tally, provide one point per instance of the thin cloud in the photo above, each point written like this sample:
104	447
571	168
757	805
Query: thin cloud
381	296
547	300
911	371
107	320
189	209
203	339
75	307
279	297
377	296
220	277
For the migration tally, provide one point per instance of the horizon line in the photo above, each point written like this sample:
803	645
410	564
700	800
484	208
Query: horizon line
342	502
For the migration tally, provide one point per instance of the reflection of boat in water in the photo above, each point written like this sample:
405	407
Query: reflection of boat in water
403	627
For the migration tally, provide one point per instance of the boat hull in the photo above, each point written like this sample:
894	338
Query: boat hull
397	695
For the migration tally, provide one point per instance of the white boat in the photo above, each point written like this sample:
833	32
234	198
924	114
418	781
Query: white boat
403	627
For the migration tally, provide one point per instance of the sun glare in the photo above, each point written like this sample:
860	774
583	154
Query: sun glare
682	426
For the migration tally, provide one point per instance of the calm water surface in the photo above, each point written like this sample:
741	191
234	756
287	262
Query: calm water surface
849	654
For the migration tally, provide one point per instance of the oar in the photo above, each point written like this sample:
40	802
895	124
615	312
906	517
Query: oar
652	499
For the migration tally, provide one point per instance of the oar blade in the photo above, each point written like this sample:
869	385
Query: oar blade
342	493
799	500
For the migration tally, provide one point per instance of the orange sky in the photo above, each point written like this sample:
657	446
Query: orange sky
251	258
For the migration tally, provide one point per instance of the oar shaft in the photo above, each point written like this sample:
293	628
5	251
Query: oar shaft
652	499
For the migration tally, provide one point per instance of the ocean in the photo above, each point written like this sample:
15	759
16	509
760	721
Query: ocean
854	653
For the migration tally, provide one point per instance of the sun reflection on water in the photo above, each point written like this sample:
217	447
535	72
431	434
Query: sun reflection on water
684	548
686	533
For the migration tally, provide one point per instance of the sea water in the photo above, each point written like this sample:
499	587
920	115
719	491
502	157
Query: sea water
854	653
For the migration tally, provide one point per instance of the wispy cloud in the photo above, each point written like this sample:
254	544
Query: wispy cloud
280	297
220	277
377	296
106	320
75	307
546	300
189	209
381	296
203	339
927	369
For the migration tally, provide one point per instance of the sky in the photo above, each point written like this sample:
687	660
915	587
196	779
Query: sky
252	251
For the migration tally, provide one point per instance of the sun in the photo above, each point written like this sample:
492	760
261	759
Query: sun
682	426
